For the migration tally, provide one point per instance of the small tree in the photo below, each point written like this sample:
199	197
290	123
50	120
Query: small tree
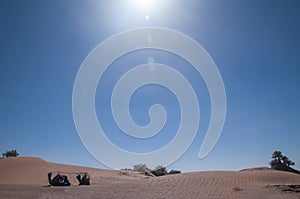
142	168
277	155
279	159
11	153
160	171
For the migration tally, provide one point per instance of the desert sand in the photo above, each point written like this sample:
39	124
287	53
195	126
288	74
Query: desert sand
26	177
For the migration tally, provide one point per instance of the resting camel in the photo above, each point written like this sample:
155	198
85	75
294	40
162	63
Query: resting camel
85	180
58	180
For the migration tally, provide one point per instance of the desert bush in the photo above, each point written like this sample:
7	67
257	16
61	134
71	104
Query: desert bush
11	153
174	172
159	171
142	168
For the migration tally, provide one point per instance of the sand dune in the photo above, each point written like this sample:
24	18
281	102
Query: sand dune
33	171
26	177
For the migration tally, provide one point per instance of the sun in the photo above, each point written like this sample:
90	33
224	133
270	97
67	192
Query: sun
147	8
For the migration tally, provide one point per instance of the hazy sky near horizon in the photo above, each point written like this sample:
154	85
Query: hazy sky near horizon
255	45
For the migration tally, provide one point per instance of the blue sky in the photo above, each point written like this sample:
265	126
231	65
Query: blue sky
255	45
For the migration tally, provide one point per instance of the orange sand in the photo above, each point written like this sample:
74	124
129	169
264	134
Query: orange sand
26	177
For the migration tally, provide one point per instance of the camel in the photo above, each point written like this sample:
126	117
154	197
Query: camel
58	180
85	180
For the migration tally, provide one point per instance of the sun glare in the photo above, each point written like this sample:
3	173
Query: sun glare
146	8
144	4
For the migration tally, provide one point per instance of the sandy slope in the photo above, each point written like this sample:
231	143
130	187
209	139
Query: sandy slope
26	177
